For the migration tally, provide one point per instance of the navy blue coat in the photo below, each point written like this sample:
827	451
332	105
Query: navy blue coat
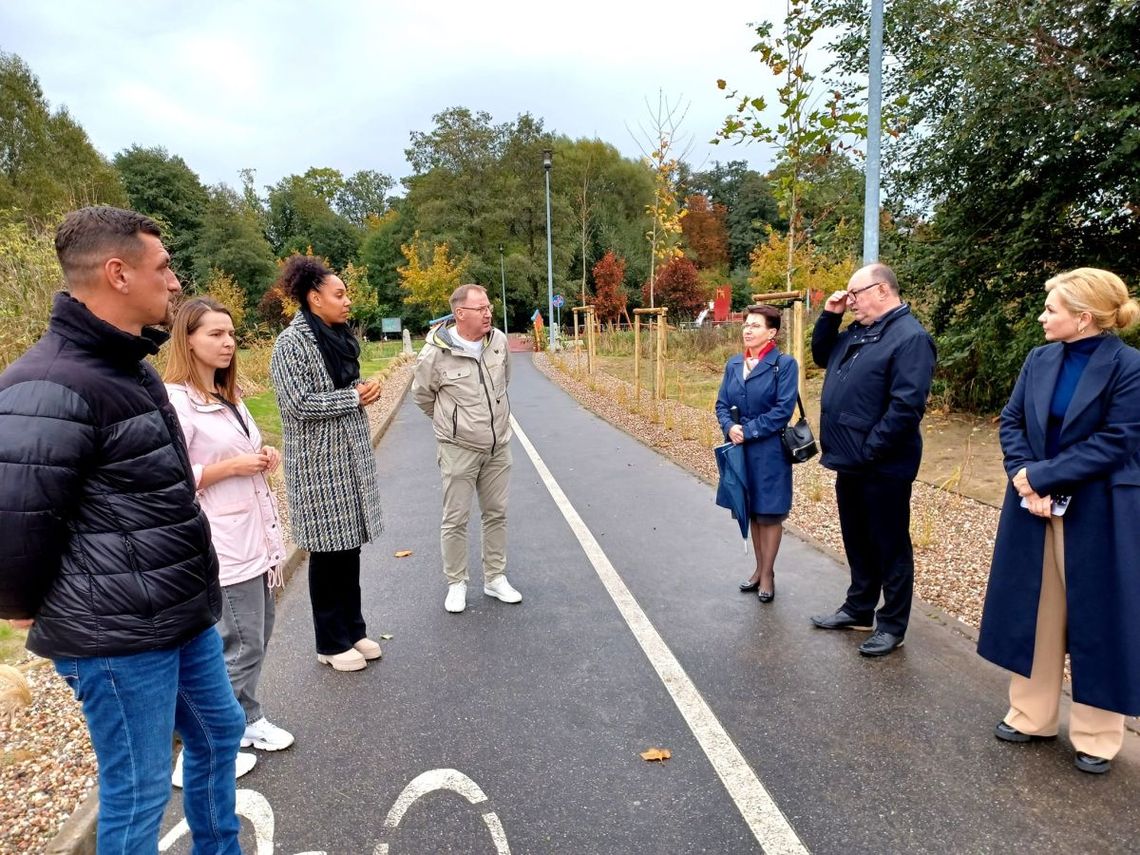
1099	466
874	394
766	401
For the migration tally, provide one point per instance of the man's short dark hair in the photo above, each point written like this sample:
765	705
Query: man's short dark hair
89	236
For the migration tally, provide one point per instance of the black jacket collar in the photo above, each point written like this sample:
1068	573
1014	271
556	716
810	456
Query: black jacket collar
75	322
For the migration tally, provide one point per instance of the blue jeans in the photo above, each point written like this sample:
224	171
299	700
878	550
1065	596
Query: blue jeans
133	704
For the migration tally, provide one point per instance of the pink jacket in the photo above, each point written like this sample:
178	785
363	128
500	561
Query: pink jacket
242	510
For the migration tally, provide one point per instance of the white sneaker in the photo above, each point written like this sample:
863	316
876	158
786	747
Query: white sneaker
368	648
456	597
501	589
243	763
266	736
350	660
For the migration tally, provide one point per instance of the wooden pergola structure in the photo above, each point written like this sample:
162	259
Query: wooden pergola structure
658	351
590	321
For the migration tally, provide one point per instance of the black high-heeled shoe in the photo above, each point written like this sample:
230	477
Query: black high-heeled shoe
747	587
767	596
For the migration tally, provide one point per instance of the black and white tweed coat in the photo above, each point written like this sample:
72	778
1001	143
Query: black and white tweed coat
330	473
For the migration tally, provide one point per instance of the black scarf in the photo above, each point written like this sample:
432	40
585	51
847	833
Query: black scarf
339	349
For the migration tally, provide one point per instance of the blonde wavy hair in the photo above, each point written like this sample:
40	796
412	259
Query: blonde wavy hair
1101	293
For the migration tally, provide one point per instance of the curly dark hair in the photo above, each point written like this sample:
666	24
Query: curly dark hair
302	274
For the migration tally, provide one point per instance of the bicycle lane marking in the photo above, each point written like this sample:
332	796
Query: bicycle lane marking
765	819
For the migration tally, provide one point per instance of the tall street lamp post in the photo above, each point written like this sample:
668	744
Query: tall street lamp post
547	163
503	273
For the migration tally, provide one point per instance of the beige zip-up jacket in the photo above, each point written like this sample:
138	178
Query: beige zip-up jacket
465	397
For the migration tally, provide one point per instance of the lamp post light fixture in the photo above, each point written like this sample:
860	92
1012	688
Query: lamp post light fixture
503	273
547	164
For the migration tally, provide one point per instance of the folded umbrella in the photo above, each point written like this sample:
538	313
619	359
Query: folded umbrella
732	489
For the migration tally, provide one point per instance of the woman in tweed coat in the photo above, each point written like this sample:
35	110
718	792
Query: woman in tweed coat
330	474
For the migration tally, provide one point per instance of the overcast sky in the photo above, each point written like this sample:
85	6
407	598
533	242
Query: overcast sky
282	86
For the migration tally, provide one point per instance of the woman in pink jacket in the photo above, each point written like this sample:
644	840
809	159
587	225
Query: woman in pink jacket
230	465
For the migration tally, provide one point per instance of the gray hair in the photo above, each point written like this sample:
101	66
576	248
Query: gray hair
459	295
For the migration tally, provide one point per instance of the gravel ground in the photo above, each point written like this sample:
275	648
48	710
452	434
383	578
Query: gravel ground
47	765
953	535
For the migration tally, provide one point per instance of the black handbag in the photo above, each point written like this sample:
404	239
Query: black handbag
799	442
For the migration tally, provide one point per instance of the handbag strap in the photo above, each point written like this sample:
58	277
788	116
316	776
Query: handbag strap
775	376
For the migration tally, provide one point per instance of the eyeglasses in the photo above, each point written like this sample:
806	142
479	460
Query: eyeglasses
483	310
755	327
854	293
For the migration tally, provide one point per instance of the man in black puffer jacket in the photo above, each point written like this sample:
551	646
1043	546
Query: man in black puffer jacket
874	396
107	556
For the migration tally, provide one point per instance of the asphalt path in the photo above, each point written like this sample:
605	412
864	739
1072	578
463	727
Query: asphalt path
520	727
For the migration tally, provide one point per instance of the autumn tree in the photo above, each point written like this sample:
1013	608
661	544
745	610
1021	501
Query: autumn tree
705	232
609	298
812	270
430	275
679	287
220	286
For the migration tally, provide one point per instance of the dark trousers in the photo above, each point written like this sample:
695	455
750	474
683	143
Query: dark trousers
334	591
874	516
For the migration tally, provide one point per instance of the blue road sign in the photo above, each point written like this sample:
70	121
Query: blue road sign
559	301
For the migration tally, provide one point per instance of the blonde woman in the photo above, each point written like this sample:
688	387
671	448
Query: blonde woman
230	464
1066	570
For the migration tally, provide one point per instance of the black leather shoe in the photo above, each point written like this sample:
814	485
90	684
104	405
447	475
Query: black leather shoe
747	587
767	596
880	644
1092	765
1009	733
839	620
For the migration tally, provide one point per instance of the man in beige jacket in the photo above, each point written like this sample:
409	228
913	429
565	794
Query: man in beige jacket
461	383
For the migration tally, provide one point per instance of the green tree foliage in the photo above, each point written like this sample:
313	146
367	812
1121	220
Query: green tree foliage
364	196
221	286
806	132
47	163
232	242
1017	152
299	216
162	186
749	201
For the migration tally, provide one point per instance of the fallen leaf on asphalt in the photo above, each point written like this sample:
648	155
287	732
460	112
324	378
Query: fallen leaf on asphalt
656	754
386	637
403	553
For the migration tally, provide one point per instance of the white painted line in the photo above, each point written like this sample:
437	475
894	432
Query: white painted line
769	826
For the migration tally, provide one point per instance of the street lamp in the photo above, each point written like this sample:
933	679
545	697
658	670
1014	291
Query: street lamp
547	164
503	272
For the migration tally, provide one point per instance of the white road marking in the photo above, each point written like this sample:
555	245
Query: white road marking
768	824
444	779
254	807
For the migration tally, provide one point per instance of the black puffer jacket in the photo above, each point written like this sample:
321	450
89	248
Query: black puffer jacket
103	541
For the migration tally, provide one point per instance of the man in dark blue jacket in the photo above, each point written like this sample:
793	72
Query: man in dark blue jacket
874	395
107	556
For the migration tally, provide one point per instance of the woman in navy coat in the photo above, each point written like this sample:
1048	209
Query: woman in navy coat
762	383
1071	581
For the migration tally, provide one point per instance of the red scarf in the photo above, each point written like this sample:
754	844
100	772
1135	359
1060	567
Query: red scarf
751	360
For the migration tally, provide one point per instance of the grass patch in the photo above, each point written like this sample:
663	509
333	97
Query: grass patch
11	644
